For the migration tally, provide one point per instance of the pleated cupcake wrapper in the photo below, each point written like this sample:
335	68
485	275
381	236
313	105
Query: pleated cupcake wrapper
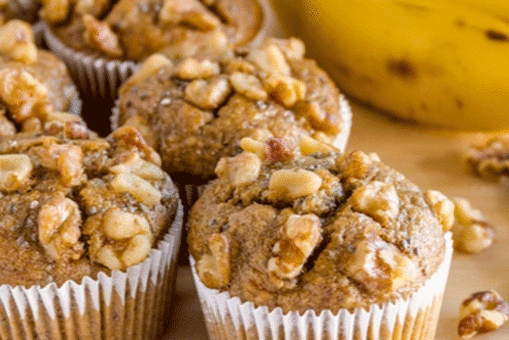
76	106
413	318
125	305
38	29
94	76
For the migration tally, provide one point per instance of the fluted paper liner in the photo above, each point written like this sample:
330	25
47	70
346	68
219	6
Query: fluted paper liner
125	305
38	29
102	77
413	318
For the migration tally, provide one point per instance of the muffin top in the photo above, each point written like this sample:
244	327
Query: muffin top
323	231
197	111
25	10
73	205
135	29
34	84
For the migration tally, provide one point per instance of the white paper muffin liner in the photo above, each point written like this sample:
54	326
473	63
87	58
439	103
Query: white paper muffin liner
38	29
76	106
102	78
125	305
413	318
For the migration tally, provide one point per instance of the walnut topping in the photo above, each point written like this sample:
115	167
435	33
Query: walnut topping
287	185
148	68
378	200
214	268
136	165
122	226
99	36
308	146
192	68
190	12
318	118
286	90
208	95
54	11
18	42
23	95
94	7
248	85
15	171
292	48
59	229
379	266
441	207
270	59
301	234
139	188
241	169
254	146
490	159
356	165
472	233
278	149
70	165
129	136
482	312
74	130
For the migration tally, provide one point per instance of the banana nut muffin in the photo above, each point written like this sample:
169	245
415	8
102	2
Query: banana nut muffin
323	232
34	84
73	205
135	29
198	110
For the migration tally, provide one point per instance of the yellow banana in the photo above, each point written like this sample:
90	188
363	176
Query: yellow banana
421	60
497	8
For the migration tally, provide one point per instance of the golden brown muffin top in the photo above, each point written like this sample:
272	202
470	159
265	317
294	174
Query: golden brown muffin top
135	29
324	231
197	111
34	84
73	205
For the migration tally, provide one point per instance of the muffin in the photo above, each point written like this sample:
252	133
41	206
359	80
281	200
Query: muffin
131	31
89	233
320	246
198	110
34	84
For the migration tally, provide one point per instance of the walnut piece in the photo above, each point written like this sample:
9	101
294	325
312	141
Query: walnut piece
59	229
70	165
285	90
134	164
149	67
139	188
134	240
482	312
254	146
214	268
94	7
379	266
472	233
99	36
308	146
248	85
292	48
318	118
55	11
490	159
288	185
241	169
15	171
270	59
208	95
378	200
18	42
192	68
190	12
278	149
300	236
441	207
356	165
130	137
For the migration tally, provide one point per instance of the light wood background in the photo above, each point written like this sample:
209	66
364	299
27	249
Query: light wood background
431	158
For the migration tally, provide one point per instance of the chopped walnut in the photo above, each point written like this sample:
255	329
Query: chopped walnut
99	36
278	149
482	312
472	233
139	188
491	158
7	128
248	85
356	165
288	185
15	171
129	136
141	124
192	68
318	118
241	169
70	165
239	65
292	48
301	234
94	7
32	125
270	60
130	240
380	266
190	12
55	11
23	95
149	67
134	164
378	200
441	207
254	146
208	95
285	90
308	146
214	268
74	130
18	42
59	229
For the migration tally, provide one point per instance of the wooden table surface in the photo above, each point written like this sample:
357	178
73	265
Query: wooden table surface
431	158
